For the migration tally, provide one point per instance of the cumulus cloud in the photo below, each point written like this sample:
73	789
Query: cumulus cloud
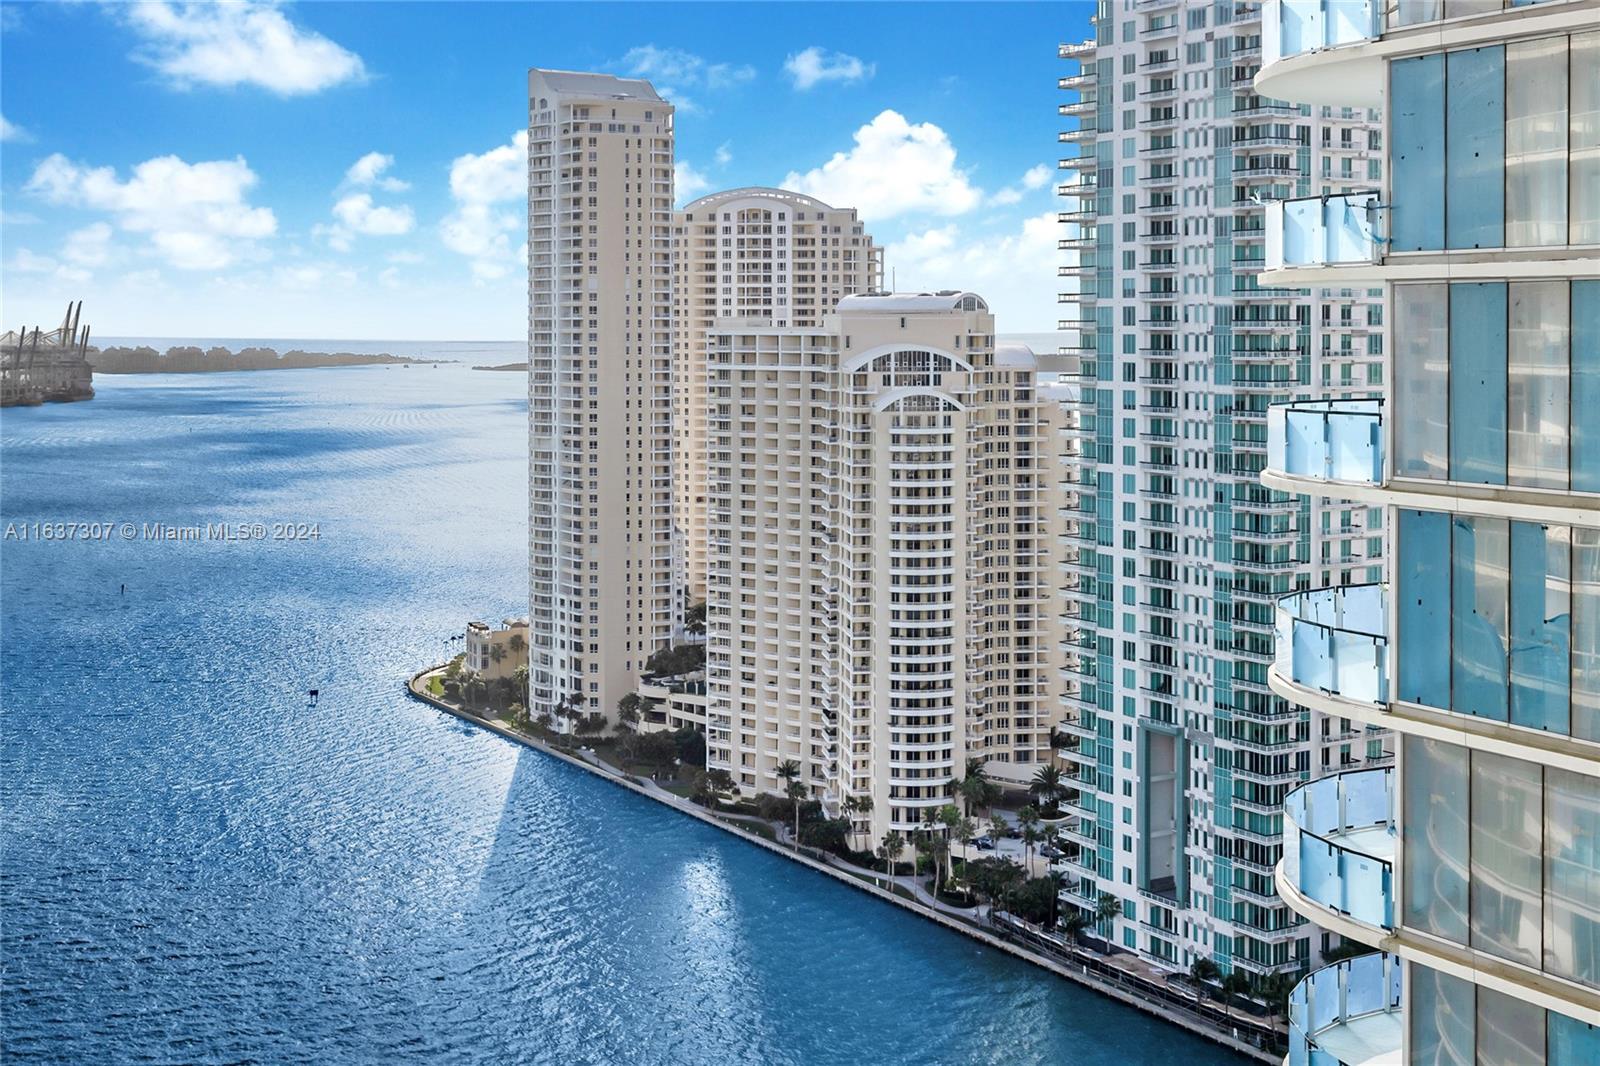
674	66
816	65
251	42
1033	178
10	131
369	171
687	182
196	216
1015	271
895	167
724	153
489	190
89	246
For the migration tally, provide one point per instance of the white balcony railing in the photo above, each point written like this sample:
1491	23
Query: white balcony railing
1333	640
1322	231
1294	27
1326	440
1338	844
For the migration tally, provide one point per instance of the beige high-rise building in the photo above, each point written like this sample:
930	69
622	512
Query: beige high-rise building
765	257
599	387
884	500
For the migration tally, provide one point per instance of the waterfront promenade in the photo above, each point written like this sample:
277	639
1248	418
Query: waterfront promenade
1121	976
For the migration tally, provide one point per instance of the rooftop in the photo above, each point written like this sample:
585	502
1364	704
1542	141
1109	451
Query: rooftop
603	86
902	302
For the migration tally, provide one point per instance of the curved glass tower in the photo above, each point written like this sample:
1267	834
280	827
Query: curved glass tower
1474	865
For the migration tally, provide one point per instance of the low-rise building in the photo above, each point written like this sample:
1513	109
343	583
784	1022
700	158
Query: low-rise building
671	703
496	653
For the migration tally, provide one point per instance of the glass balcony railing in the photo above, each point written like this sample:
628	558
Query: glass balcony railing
1338	844
1333	640
1295	27
1347	1014
1320	231
1327	440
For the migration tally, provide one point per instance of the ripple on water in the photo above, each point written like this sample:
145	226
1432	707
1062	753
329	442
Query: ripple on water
202	867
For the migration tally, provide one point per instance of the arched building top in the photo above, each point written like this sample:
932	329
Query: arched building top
760	193
903	302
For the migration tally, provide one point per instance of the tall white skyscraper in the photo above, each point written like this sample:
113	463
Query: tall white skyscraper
761	256
600	159
1181	753
884	497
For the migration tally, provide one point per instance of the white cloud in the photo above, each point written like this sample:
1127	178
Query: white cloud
28	262
1015	271
406	258
1033	178
816	65
195	215
895	167
687	182
10	131
724	153
484	222
676	67
245	43
358	216
368	170
89	246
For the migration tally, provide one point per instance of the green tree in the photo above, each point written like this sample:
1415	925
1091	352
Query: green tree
1028	820
975	789
1235	985
694	620
1105	912
628	708
1073	923
965	832
497	653
518	645
949	818
856	807
789	772
893	846
1046	788
1203	972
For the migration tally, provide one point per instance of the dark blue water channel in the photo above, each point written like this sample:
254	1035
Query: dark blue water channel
201	867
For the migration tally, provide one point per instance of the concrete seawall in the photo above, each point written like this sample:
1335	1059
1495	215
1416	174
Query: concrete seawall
1080	975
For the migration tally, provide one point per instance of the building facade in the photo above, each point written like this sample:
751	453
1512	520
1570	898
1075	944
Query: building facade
883	523
495	653
600	158
1474	864
1180	752
765	257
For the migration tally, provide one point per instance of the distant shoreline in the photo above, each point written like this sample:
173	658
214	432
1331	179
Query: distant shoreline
193	360
504	366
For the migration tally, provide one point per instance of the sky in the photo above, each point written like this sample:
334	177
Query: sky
358	170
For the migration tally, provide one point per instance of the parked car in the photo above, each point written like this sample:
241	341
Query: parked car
983	844
1051	852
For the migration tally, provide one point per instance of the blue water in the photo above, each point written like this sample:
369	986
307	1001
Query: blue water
200	867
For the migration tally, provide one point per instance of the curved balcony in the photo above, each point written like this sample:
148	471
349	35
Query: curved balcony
1292	31
1312	235
1311	443
1338	849
1332	642
1347	1014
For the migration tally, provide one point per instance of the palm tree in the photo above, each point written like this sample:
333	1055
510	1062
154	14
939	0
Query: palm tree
1073	923
1202	973
497	653
998	827
1058	881
1028	819
857	806
1046	787
1108	909
789	771
893	846
517	643
628	708
975	788
1234	985
965	832
949	818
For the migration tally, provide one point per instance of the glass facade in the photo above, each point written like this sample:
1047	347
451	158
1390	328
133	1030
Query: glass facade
1455	1023
1503	856
1518	165
1521	644
1518	364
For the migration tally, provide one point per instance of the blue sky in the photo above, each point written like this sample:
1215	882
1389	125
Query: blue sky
352	170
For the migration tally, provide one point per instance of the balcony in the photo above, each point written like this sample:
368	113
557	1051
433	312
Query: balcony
1293	31
1332	641
1321	441
1314	233
1347	1014
1338	848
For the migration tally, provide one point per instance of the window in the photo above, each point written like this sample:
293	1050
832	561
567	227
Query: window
1536	142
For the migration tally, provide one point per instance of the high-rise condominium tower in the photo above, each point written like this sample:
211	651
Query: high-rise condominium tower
599	387
1475	863
764	257
883	501
1182	754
